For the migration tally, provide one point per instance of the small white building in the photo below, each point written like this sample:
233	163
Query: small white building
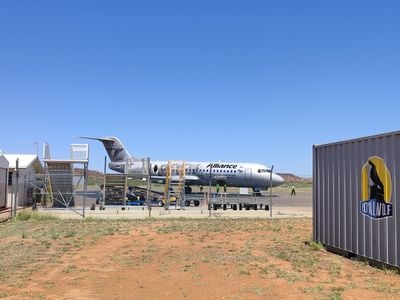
29	165
3	181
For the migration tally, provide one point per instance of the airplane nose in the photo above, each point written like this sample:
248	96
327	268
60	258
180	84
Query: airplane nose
277	180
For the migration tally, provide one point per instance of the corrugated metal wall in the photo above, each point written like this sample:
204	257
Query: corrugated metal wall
338	221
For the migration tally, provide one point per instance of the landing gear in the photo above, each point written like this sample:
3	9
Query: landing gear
256	192
188	190
195	202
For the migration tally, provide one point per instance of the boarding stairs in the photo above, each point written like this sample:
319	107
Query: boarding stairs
174	190
115	189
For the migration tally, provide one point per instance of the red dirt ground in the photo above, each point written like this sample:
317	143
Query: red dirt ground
231	264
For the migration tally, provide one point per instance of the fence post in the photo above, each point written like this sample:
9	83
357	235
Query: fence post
14	206
270	191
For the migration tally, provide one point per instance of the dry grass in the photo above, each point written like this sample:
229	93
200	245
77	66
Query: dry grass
269	258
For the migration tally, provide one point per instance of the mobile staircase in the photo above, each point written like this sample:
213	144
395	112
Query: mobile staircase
115	189
174	189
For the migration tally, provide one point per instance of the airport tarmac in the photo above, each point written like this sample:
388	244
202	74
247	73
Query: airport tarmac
283	206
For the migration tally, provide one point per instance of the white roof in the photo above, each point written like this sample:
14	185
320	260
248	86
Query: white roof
3	162
25	160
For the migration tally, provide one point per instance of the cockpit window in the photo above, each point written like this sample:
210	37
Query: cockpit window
263	171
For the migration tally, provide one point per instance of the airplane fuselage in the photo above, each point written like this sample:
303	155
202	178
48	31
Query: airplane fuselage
235	174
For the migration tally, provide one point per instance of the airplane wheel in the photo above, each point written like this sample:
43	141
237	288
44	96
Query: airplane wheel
187	203
224	207
188	190
160	203
196	202
234	207
247	207
215	207
266	207
240	206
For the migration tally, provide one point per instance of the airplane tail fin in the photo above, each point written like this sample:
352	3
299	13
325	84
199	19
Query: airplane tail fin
114	147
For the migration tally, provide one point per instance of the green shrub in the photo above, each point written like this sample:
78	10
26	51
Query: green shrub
29	215
43	217
23	216
316	246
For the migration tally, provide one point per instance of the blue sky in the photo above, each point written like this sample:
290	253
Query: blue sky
256	81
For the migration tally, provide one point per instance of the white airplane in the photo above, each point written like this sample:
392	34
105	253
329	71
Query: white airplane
234	174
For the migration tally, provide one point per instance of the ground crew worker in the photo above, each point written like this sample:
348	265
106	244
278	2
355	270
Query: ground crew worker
293	193
217	188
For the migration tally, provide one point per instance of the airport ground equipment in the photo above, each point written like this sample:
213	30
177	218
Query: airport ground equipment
156	198
174	189
356	194
236	202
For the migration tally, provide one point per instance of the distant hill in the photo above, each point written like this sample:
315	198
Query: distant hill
293	178
91	173
94	177
97	176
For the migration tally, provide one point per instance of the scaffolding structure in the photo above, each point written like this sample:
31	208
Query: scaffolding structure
61	180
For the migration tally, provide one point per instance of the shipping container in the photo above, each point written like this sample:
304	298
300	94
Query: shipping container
356	197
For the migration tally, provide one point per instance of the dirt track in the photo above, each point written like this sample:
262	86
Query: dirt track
181	259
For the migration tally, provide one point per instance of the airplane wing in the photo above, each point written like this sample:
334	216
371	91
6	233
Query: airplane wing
189	179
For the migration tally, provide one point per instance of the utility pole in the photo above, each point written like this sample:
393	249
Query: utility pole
85	178
209	193
103	192
148	196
